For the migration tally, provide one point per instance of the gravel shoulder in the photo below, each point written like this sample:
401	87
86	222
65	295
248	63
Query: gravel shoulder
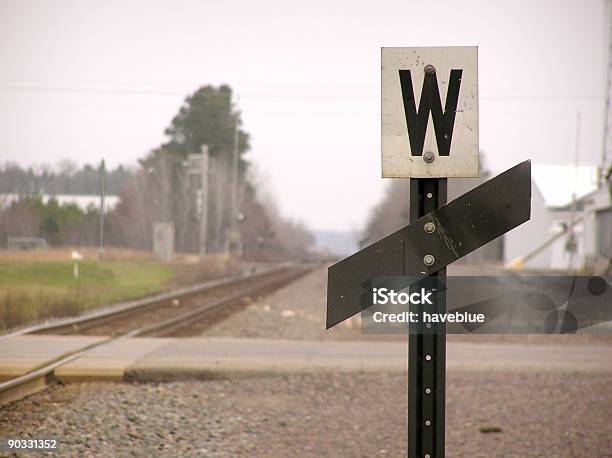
297	311
324	415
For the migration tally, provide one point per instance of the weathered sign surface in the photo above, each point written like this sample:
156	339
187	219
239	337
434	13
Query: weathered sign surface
429	107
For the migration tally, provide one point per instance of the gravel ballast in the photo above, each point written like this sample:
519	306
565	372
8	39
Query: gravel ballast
356	415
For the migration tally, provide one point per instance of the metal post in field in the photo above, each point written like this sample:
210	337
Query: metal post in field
234	238
204	197
604	167
101	221
218	175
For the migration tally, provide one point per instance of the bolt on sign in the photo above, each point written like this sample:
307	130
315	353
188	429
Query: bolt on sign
429	112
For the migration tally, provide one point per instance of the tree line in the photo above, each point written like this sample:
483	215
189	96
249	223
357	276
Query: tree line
163	187
64	178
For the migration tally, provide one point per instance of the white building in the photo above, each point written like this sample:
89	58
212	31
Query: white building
598	227
534	245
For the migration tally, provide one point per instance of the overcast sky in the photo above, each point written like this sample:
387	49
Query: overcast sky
87	80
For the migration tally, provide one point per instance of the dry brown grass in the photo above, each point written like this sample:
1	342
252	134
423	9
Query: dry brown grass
212	261
189	269
64	254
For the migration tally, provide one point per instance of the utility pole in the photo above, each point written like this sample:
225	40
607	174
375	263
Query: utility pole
219	174
101	222
572	242
234	234
204	203
605	161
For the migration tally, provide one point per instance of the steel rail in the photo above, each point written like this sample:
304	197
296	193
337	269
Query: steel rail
16	388
121	308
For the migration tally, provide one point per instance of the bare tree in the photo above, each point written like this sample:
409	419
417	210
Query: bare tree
21	219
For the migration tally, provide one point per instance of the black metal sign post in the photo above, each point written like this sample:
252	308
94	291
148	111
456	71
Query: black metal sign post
438	233
427	350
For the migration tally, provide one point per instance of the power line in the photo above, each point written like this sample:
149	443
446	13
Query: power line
64	82
88	90
119	91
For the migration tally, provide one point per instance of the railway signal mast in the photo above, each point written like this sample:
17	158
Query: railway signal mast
605	171
429	134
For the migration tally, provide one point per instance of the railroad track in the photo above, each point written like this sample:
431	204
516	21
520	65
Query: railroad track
87	322
163	318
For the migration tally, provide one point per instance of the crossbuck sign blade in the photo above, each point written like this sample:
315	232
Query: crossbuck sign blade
462	226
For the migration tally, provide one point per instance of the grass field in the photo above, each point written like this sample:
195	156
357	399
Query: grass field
36	285
39	285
